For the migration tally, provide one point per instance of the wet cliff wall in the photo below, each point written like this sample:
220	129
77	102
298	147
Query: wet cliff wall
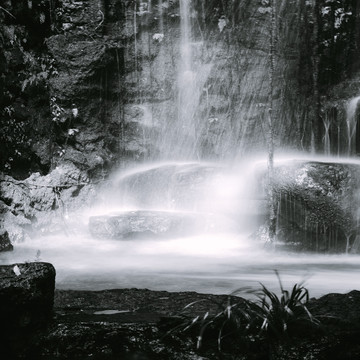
95	82
87	86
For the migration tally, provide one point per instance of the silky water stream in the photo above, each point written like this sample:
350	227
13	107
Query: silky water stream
184	226
213	250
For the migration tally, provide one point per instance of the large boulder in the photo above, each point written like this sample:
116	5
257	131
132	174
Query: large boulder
42	202
5	244
26	303
318	205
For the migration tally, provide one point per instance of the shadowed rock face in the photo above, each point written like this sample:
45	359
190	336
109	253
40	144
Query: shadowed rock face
26	303
318	205
5	244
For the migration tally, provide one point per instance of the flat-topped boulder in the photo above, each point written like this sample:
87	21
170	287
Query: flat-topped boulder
155	224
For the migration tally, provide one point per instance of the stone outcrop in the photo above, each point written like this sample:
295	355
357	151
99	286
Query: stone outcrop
185	186
318	205
5	244
42	203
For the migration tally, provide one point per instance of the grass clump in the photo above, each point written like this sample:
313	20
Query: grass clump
283	315
266	321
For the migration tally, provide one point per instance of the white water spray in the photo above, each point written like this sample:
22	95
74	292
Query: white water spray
327	145
228	198
351	122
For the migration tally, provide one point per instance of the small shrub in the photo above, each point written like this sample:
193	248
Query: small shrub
269	318
281	315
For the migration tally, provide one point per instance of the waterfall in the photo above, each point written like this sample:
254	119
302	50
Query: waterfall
176	222
181	134
351	123
186	76
185	35
327	144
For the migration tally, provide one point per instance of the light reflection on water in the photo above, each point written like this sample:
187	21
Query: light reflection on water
215	264
209	263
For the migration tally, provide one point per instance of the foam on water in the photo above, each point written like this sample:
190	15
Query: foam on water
209	264
218	262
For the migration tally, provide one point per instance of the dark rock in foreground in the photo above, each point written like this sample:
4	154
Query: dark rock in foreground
5	244
26	303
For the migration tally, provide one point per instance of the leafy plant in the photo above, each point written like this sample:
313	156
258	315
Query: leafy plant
279	314
42	69
57	112
269	317
234	317
13	137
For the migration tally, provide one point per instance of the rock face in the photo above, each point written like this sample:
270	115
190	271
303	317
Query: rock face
42	202
26	302
154	224
318	205
5	244
110	70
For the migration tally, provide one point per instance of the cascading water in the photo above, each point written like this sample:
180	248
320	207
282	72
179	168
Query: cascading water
181	135
186	80
351	123
327	145
186	225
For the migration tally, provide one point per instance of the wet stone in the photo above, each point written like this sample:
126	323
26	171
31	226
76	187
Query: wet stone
26	304
5	244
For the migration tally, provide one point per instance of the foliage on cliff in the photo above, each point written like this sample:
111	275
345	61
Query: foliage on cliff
24	71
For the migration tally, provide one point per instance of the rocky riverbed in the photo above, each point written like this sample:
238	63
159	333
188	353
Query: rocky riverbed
139	323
